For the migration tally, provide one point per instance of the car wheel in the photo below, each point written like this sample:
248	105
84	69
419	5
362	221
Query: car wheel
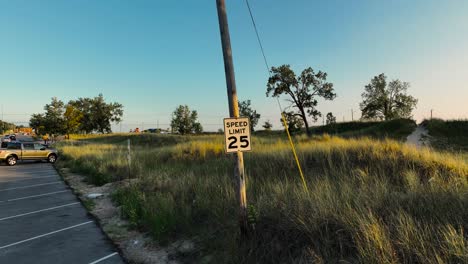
52	158
11	161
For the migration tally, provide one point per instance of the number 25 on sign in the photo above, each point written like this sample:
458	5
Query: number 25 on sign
237	134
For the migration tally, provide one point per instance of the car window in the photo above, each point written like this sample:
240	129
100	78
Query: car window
14	146
38	146
28	146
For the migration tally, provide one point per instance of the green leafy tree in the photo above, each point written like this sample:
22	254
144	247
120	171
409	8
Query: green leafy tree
185	121
82	115
386	101
331	119
84	106
105	113
302	90
73	117
267	125
246	110
97	115
37	123
294	122
54	123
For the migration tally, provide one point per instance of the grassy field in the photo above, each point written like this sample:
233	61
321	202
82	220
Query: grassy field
449	135
369	201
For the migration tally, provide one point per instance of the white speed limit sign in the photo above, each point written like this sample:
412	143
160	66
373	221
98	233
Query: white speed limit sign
237	134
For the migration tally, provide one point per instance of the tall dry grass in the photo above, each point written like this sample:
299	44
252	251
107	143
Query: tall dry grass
368	201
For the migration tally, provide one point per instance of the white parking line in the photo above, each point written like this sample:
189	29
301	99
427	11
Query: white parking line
32	196
16	172
30	186
29	169
104	258
28	178
38	211
43	235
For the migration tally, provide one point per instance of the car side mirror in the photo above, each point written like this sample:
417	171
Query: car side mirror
43	148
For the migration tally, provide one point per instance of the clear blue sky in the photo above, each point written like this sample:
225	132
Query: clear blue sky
154	55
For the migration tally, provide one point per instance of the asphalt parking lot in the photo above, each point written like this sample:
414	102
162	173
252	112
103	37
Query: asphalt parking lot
41	220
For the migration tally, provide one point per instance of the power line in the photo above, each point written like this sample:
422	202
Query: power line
258	37
261	48
293	148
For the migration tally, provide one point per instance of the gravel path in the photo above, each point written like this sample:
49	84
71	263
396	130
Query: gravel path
417	138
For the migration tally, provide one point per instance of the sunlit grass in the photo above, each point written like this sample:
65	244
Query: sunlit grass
368	202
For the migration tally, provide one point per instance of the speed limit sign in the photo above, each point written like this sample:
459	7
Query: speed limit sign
237	134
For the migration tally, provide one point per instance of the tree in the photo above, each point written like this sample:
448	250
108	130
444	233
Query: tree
267	125
105	113
302	90
294	122
97	115
84	106
5	126
331	119
246	111
385	102
184	121
73	118
82	115
54	123
36	122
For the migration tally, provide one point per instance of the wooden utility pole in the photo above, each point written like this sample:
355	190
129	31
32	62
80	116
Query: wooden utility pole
431	114
352	115
233	112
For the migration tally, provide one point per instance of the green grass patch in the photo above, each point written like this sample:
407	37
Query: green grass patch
449	135
397	129
89	204
370	201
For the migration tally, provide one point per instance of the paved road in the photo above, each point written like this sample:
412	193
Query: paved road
41	221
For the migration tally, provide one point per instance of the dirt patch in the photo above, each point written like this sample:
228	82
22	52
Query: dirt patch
136	247
419	137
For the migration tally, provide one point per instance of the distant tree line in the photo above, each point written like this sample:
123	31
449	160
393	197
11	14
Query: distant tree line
185	121
5	126
381	101
84	115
